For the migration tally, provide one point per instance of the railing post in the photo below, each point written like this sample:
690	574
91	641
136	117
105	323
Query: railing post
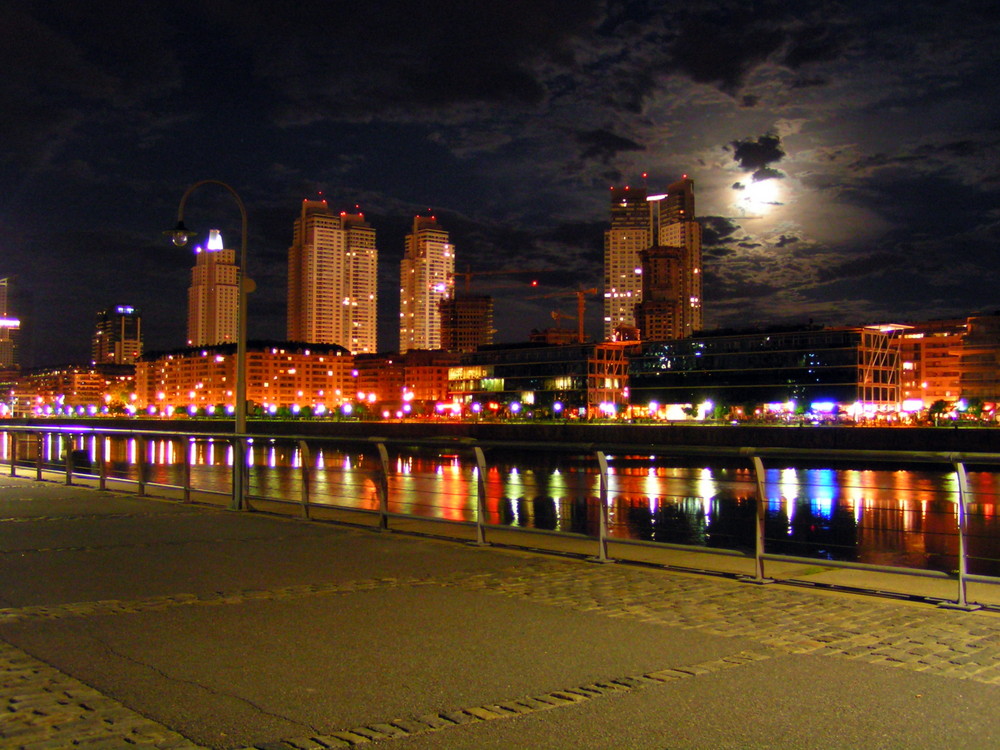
140	465
39	440
480	497
186	450
759	523
306	457
963	559
241	474
13	453
602	514
102	463
67	441
382	487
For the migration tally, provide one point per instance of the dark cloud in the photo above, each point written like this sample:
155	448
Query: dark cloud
604	145
926	152
812	44
808	83
756	154
405	60
784	241
717	230
873	264
720	45
768	173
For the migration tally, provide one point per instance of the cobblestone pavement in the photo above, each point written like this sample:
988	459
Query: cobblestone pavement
44	708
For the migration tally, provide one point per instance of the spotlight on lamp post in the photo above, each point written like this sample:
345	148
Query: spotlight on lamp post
180	235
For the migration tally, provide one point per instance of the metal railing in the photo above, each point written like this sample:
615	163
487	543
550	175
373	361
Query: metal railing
60	451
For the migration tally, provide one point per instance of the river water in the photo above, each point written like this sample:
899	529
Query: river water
885	516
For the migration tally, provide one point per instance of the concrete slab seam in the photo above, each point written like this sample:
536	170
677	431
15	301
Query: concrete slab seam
427	723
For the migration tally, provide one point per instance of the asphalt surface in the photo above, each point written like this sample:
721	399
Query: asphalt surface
130	621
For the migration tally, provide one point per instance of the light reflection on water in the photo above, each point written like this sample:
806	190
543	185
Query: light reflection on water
893	517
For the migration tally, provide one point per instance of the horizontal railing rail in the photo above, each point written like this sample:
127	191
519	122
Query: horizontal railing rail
65	455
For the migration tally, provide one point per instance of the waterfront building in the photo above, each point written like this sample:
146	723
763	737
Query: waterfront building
827	369
466	322
584	380
930	357
10	327
213	297
413	382
332	279
117	336
427	277
979	359
640	222
280	375
74	389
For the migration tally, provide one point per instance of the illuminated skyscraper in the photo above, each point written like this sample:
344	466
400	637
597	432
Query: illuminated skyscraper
645	227
678	228
332	279
629	235
426	278
213	297
10	327
117	336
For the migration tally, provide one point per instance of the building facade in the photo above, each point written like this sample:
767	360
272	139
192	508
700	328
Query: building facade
930	354
630	233
10	327
585	380
214	294
979	359
333	279
279	375
466	322
677	227
850	368
639	223
427	277
117	336
409	383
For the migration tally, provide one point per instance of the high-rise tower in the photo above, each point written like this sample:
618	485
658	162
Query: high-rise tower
213	297
117	336
630	234
426	278
10	327
643	228
332	279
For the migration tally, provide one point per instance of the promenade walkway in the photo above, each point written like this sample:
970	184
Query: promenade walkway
135	622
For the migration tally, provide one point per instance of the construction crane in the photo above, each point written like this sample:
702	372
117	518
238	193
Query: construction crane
580	306
468	273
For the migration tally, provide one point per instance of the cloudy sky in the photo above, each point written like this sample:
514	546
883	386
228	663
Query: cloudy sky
845	154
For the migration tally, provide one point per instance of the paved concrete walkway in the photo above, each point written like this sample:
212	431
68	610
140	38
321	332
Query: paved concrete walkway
127	622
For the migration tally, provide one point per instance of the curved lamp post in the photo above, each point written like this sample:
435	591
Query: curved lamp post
180	235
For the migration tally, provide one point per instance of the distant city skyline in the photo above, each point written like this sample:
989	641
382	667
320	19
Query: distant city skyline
845	153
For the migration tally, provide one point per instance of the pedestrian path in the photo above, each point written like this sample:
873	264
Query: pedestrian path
134	622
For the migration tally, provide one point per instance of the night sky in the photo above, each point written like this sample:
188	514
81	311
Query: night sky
845	154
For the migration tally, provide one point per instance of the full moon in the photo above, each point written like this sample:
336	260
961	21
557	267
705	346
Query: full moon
759	196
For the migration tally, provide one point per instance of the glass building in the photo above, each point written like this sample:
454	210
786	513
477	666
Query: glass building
582	378
807	365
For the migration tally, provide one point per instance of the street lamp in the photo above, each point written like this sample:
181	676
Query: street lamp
180	236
